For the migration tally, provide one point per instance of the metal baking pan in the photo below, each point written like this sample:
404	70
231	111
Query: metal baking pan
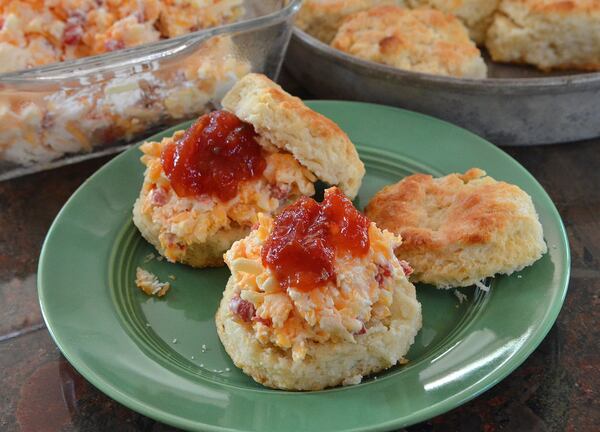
516	105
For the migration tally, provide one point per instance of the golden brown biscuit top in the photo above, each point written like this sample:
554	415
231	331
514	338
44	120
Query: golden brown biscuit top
269	90
563	6
557	6
421	39
321	18
285	122
458	209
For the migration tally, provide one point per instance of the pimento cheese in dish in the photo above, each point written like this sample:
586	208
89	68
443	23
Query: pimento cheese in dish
120	108
316	274
35	32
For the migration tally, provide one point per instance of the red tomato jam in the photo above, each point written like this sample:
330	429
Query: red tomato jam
307	236
215	155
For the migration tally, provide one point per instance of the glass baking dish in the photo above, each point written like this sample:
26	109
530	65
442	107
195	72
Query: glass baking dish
71	111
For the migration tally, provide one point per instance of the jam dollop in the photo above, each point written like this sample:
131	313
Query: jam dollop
216	154
307	236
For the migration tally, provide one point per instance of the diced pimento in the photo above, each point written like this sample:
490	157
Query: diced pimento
408	270
114	45
265	321
382	273
362	331
280	192
159	197
73	31
243	309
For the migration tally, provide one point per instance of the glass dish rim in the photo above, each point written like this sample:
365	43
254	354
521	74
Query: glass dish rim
79	68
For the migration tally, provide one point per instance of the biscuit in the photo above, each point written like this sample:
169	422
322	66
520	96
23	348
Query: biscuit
197	230
299	146
420	40
283	121
322	18
459	229
549	34
476	15
292	339
329	364
208	253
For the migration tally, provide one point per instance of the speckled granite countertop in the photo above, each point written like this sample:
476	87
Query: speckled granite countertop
557	388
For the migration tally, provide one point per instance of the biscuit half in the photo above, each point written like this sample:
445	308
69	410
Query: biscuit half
283	121
300	146
197	230
326	364
310	337
197	254
459	229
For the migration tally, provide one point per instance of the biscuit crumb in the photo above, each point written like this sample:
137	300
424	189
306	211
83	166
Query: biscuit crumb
353	380
149	258
149	284
460	296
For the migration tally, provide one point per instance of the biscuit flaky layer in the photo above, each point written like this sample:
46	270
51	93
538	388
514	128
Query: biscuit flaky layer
550	34
420	40
326	364
283	121
459	229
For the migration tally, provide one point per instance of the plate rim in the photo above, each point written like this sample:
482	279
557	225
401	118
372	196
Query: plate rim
464	395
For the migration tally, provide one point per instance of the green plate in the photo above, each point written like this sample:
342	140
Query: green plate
162	357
